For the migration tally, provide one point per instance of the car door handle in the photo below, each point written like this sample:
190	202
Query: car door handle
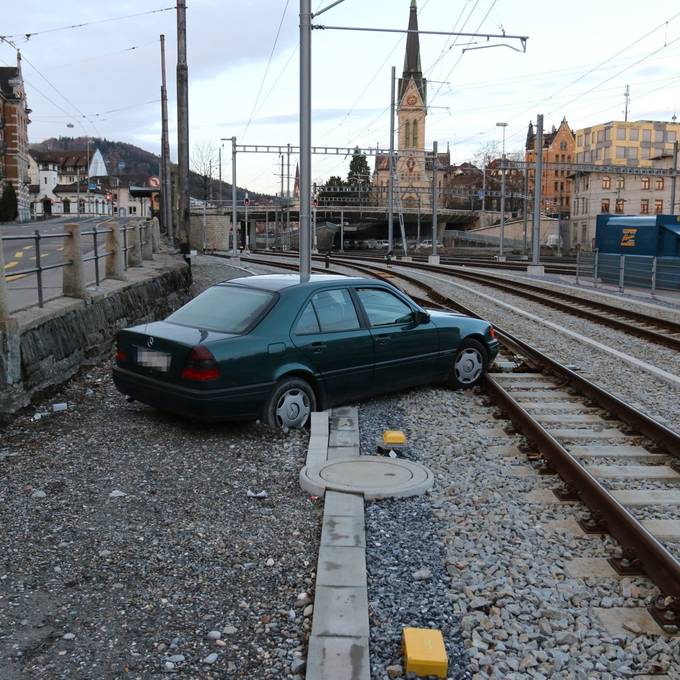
318	347
382	339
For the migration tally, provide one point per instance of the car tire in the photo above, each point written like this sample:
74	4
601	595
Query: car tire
469	365
290	404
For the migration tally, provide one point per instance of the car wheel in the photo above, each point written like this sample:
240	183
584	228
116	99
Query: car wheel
469	364
290	404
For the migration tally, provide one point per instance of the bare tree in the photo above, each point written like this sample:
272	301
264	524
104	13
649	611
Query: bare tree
204	163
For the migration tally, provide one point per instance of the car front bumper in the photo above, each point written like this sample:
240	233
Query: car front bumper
233	403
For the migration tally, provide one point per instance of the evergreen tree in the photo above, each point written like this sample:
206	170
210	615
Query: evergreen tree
359	178
332	191
8	204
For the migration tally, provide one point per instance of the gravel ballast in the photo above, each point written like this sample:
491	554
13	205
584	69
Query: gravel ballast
131	546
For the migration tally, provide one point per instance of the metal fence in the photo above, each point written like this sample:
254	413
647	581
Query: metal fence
116	251
633	271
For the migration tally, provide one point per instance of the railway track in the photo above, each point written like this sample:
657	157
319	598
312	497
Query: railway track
592	440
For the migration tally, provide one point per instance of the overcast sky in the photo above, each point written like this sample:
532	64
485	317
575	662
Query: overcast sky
580	56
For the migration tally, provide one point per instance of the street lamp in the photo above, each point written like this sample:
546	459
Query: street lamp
501	252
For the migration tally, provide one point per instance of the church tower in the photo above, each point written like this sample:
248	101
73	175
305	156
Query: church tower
411	112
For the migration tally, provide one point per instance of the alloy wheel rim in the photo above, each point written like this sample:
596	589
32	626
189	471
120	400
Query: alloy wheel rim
468	366
293	408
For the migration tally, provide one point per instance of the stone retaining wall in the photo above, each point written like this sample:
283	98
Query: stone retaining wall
41	348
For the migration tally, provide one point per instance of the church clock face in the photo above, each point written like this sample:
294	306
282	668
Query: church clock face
411	99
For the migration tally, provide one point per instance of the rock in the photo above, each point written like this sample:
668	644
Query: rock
59	407
257	494
116	493
169	666
38	493
176	658
308	610
104	553
565	638
211	658
214	635
297	665
270	562
68	636
479	603
302	600
395	670
229	630
422	574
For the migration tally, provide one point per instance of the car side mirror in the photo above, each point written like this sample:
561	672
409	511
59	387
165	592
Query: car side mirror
421	317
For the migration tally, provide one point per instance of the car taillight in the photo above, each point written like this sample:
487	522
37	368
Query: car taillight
121	356
492	332
201	366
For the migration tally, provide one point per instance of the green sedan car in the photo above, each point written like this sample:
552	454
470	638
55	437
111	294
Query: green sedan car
274	348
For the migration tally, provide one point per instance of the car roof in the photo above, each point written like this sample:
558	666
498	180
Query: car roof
276	282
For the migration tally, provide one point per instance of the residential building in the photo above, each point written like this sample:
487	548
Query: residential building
603	191
14	122
556	189
631	143
414	167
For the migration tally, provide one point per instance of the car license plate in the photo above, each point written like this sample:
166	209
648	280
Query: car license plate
159	361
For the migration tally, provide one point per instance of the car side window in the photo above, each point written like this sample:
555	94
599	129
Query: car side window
383	308
335	310
307	323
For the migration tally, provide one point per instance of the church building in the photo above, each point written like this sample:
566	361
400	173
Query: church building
413	164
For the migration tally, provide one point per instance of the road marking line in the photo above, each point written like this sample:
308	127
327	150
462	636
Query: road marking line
20	253
60	248
16	277
11	265
27	247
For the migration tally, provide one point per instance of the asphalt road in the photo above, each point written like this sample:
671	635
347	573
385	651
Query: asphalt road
20	255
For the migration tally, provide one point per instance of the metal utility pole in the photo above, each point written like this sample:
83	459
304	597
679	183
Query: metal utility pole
675	176
287	194
219	190
434	199
305	138
342	231
234	211
87	189
538	181
390	164
526	207
501	251
626	94
246	203
281	194
182	121
166	190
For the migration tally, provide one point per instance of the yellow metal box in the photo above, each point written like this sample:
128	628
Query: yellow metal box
394	438
424	652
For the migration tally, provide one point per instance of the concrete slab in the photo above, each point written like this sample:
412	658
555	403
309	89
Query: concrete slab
345	412
545	496
554	406
523	471
544	385
663	472
623	452
586	419
340	612
341	566
338	658
336	452
540	395
319	422
506	450
521	376
495	431
346	437
317	451
648	497
344	504
665	529
570	524
627	621
575	434
343	423
590	567
343	531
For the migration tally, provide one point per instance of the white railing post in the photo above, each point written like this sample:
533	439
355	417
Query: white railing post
74	274
147	243
134	245
654	277
115	268
622	273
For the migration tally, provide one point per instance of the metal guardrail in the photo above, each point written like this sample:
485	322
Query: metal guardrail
96	256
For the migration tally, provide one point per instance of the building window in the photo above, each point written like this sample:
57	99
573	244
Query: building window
600	136
579	140
658	183
646	135
634	134
670	136
607	134
407	133
132	210
606	182
658	135
620	183
576	207
619	206
620	151
621	133
658	206
598	154
415	134
644	206
556	185
561	186
586	182
645	183
604	206
644	153
584	232
563	147
631	152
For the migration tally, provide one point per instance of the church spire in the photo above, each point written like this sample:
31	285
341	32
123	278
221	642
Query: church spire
412	67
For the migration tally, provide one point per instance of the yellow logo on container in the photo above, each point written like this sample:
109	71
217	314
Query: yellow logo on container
628	238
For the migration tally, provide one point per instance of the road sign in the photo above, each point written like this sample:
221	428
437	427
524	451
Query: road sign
246	200
154	182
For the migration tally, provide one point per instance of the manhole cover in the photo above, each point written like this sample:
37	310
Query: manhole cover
372	476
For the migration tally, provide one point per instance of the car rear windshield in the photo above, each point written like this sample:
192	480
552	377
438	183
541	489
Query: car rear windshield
228	309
